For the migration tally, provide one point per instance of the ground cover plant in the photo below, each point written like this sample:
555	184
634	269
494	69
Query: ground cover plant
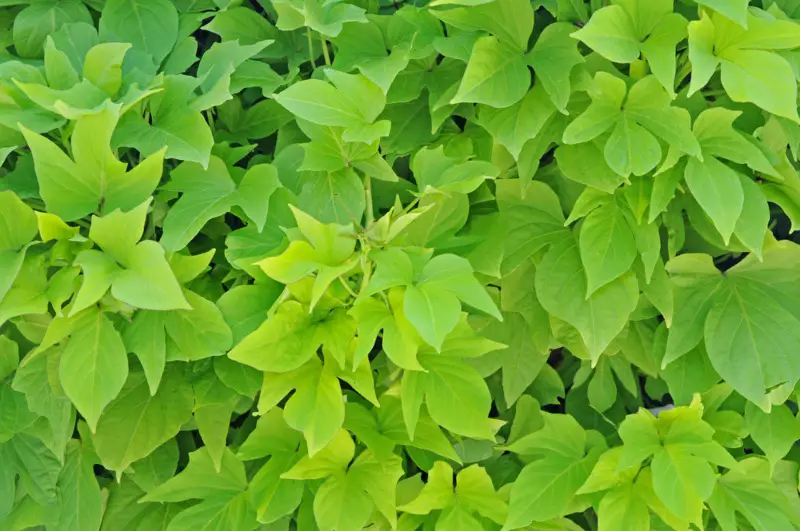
343	265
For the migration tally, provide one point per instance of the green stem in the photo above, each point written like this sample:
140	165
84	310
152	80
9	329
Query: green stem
310	48
368	193
366	267
411	205
275	305
348	288
325	50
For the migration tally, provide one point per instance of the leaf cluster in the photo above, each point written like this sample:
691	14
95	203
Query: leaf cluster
360	264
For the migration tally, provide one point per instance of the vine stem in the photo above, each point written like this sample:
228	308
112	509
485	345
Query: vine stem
368	193
310	48
348	288
325	50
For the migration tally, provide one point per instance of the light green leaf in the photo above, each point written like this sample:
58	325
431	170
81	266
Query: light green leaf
61	75
496	75
545	487
611	33
196	333
736	10
553	58
288	338
718	190
93	367
456	396
434	312
760	77
607	246
146	338
18	220
255	190
118	232
148	282
517	124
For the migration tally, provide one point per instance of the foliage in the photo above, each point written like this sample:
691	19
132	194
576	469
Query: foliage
452	265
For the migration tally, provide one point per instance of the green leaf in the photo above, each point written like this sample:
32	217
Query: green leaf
60	73
631	149
607	246
136	422
752	223
751	310
553	57
456	396
774	432
276	496
33	24
514	126
236	514
354	101
255	190
207	193
146	338
561	287
434	312
735	11
545	487
151	26
316	408
473	494
197	333
681	445
433	169
524	357
496	75
327	19
749	491
534	219
762	78
38	467
103	66
200	480
511	21
242	24
290	336
147	281
696	283
623	508
93	366
171	123
118	232
611	33
718	190
19	222
82	505
95	178
214	405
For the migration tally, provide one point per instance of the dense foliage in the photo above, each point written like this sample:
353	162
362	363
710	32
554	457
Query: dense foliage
474	264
